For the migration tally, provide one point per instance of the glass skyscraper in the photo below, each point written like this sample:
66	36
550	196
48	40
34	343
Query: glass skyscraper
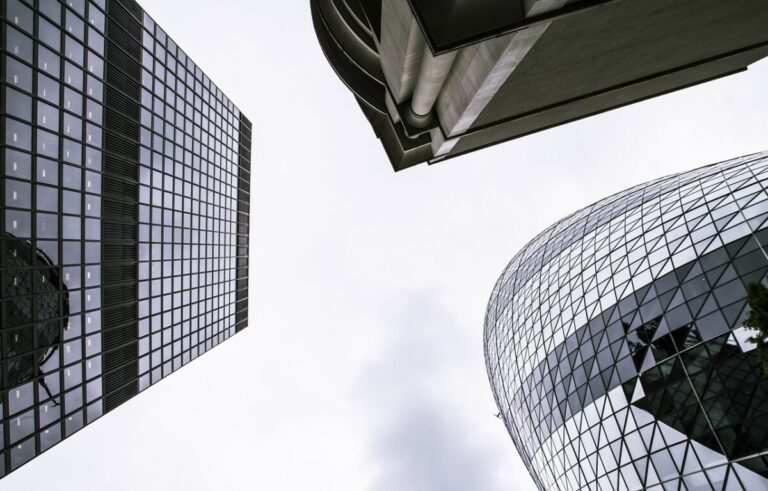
615	343
125	203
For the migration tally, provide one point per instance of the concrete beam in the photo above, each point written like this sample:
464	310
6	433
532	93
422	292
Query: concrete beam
401	48
538	7
478	73
432	74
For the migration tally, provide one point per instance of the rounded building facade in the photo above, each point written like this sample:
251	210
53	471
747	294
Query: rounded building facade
615	343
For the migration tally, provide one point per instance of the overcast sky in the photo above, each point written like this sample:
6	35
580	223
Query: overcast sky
362	368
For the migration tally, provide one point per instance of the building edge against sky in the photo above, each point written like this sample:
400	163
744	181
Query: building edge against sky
614	340
439	79
125	201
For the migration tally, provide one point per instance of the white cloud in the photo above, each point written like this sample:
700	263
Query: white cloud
422	437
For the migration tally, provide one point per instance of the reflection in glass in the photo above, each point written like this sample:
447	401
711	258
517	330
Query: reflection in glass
24	354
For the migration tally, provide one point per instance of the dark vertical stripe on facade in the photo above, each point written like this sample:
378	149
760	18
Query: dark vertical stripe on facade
243	212
120	202
5	462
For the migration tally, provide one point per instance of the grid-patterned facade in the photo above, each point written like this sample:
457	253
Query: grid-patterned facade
615	343
125	193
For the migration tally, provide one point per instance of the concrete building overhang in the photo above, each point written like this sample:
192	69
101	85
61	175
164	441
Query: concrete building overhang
467	75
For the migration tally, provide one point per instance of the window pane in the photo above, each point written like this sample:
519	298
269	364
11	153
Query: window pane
18	223
19	44
51	8
93	111
47	116
18	104
96	18
73	126
20	15
95	89
73	50
92	158
47	144
49	34
48	61
18	74
17	194
72	177
18	134
73	76
77	5
71	227
95	41
73	101
47	198
95	64
71	201
92	205
72	255
74	25
73	151
47	226
93	252
48	89
47	171
17	164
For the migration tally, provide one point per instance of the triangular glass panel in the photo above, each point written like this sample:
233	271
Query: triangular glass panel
752	472
680	335
707	456
728	275
713	275
658	441
661	331
682	272
678	455
642	293
755	276
641	466
733	484
695	304
629	388
651	478
702	246
693	271
757	222
692	463
733	247
722	223
639	356
735	313
673	485
698	482
694	337
717	476
642	417
709	306
711	325
615	379
671	435
649	361
749	246
742	336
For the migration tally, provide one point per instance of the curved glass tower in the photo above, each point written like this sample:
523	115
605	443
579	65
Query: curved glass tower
615	343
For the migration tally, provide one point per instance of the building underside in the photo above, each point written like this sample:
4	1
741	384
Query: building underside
438	82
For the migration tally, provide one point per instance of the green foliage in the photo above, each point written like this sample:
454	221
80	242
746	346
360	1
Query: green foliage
757	298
